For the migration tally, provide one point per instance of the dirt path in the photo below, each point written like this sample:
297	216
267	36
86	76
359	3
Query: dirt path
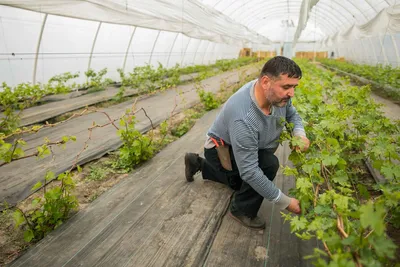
391	110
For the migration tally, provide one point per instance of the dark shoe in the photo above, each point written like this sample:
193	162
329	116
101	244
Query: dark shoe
255	223
192	165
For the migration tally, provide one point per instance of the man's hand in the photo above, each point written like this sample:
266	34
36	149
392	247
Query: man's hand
294	206
304	143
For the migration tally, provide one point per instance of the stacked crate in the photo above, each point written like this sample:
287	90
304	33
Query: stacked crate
310	54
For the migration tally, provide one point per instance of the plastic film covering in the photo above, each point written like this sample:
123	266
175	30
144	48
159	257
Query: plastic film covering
377	41
188	17
58	44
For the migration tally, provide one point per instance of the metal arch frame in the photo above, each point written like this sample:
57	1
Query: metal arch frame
258	5
205	52
365	51
215	52
359	10
338	25
357	51
217	3
213	43
330	28
38	49
345	8
254	23
172	47
325	12
154	46
373	49
370	5
324	23
127	49
323	8
187	46
242	18
396	49
93	45
383	48
195	53
230	12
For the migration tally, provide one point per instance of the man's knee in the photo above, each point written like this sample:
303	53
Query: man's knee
269	163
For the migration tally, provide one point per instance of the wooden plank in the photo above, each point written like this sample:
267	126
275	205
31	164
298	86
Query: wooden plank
18	177
235	245
76	100
154	217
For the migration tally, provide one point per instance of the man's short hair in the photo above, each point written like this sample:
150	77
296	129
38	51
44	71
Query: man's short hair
281	65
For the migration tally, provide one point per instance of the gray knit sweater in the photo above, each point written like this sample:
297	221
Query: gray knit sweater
243	125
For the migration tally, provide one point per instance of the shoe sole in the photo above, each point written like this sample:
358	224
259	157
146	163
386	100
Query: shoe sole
251	228
188	175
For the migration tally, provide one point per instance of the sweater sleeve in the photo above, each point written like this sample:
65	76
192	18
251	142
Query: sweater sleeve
244	143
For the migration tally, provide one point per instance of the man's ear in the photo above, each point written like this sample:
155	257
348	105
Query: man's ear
265	82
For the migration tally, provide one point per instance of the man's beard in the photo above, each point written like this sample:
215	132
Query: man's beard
283	102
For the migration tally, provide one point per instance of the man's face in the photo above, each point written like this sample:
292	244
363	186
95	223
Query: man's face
278	91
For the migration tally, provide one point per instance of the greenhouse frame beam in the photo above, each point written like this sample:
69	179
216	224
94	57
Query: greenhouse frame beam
365	51
272	9
187	46
154	45
127	49
217	3
38	49
396	49
373	49
324	22
205	52
258	6
381	41
253	23
172	48
195	53
359	10
93	45
347	10
214	44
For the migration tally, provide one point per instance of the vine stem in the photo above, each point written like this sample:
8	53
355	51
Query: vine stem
327	249
316	195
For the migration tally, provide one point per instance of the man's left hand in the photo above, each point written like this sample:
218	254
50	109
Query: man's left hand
305	144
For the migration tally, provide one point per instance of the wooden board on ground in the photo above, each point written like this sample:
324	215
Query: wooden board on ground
47	111
18	177
152	218
235	245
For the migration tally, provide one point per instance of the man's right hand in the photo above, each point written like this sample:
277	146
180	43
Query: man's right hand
294	206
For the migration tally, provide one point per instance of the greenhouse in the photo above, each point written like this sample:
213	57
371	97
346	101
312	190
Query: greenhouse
200	133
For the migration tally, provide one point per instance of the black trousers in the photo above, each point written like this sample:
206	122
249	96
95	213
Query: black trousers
246	200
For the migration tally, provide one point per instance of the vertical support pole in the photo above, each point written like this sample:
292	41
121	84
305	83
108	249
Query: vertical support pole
183	56
93	45
213	52
205	52
195	53
172	47
38	49
154	45
383	49
127	49
373	50
365	51
396	49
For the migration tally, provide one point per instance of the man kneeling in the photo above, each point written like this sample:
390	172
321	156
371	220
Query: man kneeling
240	145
